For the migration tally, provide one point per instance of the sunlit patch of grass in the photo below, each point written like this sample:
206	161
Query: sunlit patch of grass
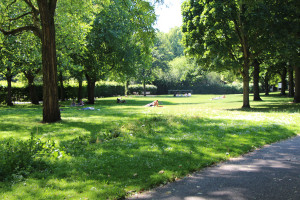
119	149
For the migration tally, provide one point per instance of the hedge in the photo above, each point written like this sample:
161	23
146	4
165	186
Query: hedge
71	92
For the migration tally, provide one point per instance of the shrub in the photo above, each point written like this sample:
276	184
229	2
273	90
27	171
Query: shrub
19	158
80	144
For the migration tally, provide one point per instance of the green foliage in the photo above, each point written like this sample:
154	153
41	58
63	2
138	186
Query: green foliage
80	144
119	42
19	158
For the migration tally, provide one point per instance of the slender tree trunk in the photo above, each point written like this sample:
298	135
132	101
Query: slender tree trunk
267	84
291	82
62	89
32	89
246	78
91	96
9	93
91	89
126	87
144	86
239	29
256	96
297	85
79	90
283	81
51	112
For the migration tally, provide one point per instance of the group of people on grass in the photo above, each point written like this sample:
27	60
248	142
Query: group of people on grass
119	100
182	95
152	104
80	103
217	98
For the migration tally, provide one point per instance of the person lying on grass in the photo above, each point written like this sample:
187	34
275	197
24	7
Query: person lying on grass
80	103
119	100
153	104
217	98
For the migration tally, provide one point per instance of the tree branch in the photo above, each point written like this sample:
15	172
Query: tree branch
32	28
29	3
13	19
11	4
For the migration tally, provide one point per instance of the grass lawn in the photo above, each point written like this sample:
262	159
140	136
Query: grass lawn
119	149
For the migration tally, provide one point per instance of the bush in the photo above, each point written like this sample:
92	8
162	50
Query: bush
19	158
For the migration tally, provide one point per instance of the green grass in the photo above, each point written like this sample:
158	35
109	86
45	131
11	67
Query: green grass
119	149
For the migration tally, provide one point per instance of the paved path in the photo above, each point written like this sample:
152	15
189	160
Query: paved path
271	173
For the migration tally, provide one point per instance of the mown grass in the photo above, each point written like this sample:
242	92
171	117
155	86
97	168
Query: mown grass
119	149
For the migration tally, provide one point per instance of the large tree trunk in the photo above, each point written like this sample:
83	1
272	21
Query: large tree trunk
32	89
256	96
297	85
291	82
8	97
91	89
51	111
283	81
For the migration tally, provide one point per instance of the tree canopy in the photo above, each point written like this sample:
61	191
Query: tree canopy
226	35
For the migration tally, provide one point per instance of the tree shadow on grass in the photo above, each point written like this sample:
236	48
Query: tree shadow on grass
265	174
272	107
146	156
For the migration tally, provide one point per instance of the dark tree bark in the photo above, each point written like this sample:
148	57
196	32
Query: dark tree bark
91	89
62	89
9	92
32	89
246	78
239	29
246	102
297	85
267	78
79	95
283	81
51	111
291	81
256	96
43	17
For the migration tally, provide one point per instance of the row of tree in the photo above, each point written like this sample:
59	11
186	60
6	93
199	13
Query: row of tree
237	34
93	38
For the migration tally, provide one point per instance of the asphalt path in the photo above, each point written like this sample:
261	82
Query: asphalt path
270	173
